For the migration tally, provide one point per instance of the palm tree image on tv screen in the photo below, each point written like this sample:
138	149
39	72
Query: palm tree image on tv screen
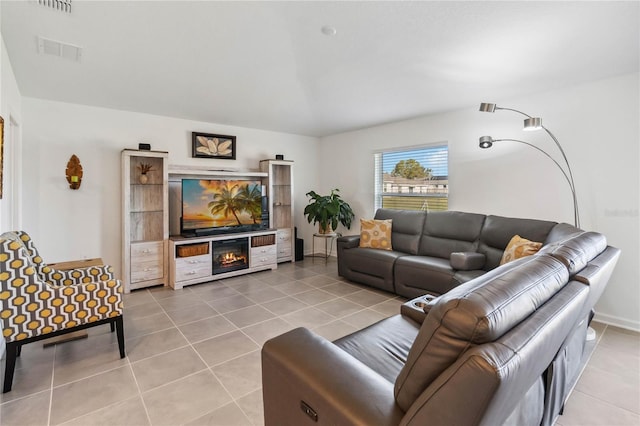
208	204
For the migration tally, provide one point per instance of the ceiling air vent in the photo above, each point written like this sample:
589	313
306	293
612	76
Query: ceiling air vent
61	5
47	46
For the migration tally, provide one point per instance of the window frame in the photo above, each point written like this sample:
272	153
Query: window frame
425	192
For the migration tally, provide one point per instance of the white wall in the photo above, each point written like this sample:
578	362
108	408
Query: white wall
68	224
598	127
596	123
10	110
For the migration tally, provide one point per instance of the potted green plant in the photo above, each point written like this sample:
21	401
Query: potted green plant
328	211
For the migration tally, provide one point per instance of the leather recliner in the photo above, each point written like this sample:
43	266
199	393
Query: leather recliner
480	356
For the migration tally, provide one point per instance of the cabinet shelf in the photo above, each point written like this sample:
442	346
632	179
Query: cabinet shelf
145	229
279	184
146	211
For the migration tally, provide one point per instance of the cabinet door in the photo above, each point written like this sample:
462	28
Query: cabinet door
281	206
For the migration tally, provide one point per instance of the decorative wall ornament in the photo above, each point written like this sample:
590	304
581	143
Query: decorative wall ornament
74	172
207	145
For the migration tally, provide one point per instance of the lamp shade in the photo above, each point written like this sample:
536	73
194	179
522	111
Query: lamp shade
533	123
487	107
486	142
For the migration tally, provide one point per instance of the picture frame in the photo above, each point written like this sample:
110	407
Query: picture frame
209	145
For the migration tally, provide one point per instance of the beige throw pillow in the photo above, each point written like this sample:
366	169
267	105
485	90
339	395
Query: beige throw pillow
519	247
375	234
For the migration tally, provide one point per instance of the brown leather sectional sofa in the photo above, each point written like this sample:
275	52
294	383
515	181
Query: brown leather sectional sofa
423	260
503	348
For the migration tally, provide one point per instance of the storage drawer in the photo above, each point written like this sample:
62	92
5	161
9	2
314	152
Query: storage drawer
147	251
188	268
284	240
260	256
147	261
284	235
284	250
148	270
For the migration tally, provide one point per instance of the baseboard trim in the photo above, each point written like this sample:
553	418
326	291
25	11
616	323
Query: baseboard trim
617	322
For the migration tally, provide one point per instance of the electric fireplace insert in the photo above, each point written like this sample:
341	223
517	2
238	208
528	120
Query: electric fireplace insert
230	255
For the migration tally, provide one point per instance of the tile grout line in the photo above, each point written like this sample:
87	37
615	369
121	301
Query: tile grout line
207	367
53	375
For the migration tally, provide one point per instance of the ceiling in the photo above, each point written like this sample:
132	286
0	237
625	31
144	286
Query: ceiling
267	65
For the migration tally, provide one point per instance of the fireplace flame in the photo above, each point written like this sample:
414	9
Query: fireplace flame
231	258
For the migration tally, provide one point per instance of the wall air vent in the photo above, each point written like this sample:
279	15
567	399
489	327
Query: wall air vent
60	5
47	46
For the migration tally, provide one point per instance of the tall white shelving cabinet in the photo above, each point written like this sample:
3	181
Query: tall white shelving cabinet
279	184
145	218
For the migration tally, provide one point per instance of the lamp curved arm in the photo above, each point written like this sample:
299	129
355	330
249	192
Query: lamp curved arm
567	177
564	173
564	156
488	107
514	110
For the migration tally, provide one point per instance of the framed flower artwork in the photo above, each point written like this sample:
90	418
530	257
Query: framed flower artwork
207	145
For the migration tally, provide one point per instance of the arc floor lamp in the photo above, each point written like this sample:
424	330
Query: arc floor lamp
535	123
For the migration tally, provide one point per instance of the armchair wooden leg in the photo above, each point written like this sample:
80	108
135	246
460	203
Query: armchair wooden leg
13	350
119	323
113	326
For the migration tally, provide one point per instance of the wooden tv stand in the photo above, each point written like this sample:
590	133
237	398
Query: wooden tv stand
191	259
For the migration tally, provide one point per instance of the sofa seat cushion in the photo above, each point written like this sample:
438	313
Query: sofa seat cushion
426	274
477	312
383	346
373	262
461	277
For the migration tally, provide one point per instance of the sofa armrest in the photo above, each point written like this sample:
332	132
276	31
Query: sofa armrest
349	241
467	260
301	367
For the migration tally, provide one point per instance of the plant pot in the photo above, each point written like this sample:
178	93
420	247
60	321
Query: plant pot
326	230
143	178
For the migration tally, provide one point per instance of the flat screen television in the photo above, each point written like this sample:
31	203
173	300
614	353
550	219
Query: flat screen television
215	206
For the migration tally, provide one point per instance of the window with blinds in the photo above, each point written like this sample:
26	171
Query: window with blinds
414	178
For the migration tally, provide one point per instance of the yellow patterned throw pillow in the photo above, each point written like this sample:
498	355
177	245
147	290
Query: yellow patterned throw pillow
375	234
519	247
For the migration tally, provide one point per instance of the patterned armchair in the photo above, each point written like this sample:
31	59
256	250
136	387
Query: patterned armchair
38	302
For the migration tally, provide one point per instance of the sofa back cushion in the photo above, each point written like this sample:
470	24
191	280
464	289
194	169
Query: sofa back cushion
578	250
497	231
561	232
406	229
450	231
474	313
500	383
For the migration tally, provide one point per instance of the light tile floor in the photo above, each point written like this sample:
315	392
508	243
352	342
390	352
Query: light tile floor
193	355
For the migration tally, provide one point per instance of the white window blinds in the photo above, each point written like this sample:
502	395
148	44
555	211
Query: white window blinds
414	178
